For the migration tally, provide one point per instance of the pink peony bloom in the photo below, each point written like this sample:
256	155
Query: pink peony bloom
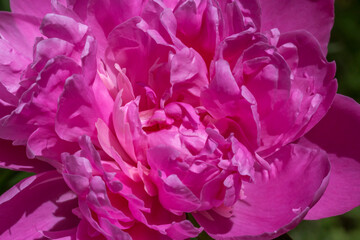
136	114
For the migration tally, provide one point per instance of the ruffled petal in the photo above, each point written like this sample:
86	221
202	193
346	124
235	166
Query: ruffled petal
129	130
63	27
44	142
277	200
313	88
78	110
141	232
38	103
61	235
188	76
224	98
86	231
143	52
104	16
161	18
338	134
316	71
39	212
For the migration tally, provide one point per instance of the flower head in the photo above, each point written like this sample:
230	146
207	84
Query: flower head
139	114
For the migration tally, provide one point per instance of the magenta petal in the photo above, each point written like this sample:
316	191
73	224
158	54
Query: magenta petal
174	195
183	230
77	111
20	30
338	134
15	158
252	12
189	15
46	143
317	17
277	200
26	209
88	59
312	63
38	103
36	8
49	48
110	13
142	232
12	63
128	129
188	75
61	235
86	231
63	27
109	143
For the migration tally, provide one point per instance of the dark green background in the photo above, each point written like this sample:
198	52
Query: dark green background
344	48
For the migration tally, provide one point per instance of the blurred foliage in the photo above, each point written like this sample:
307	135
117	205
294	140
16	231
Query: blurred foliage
4	5
344	227
344	48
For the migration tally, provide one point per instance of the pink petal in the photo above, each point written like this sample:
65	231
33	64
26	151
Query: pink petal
49	48
77	111
114	232
313	88
188	76
86	231
183	230
61	235
44	142
27	210
88	59
338	134
174	195
38	104
223	82
102	225
252	13
129	130
103	100
110	13
317	17
5	108
267	76
162	19
109	142
20	31
144	54
189	15
63	27
224	98
313	67
209	34
12	63
15	158
277	200
141	232
97	198
49	87
161	220
36	8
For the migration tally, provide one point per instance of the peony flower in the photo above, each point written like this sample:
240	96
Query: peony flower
161	119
